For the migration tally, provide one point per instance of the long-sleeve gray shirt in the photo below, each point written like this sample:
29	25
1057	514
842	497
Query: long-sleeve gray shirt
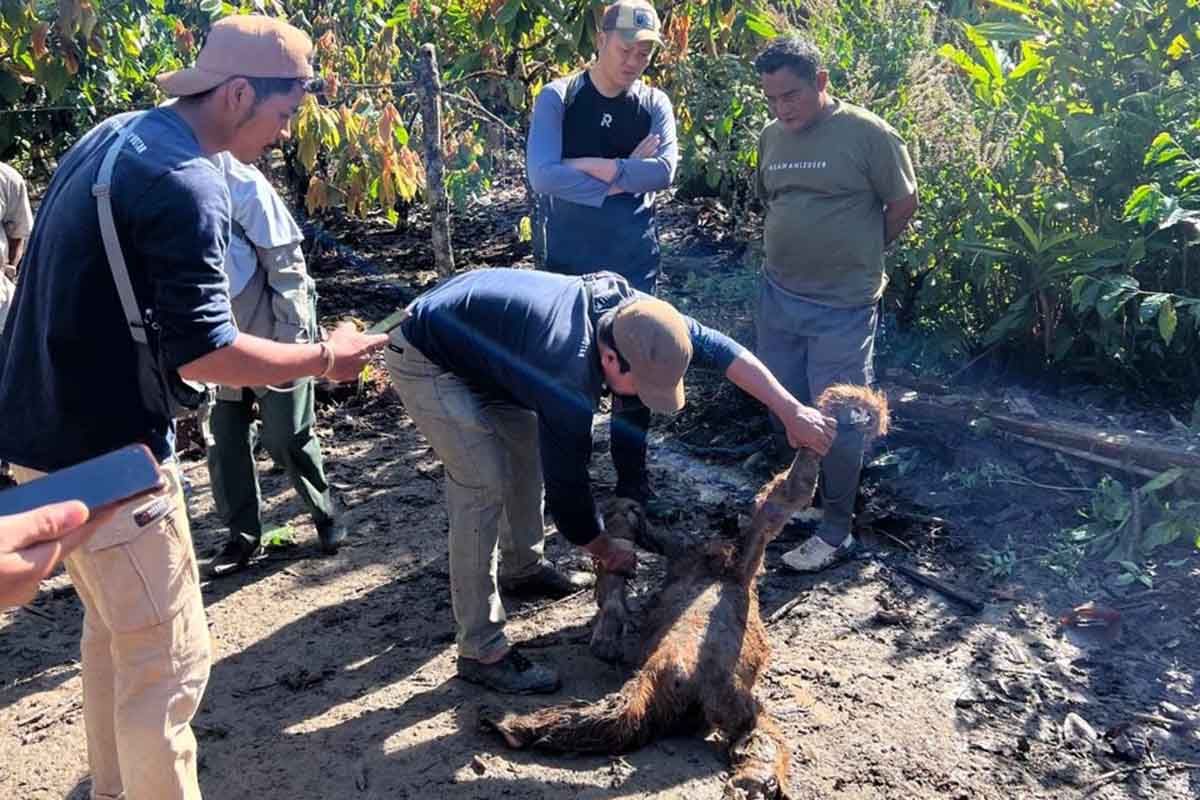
585	227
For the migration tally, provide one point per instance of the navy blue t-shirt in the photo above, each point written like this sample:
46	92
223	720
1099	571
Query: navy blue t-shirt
68	378
528	338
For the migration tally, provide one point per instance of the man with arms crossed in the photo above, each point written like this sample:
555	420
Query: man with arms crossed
601	144
71	387
838	187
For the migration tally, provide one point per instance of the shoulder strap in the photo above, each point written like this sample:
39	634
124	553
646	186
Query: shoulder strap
102	191
575	82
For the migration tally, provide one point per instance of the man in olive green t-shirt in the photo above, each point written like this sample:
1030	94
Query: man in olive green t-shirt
838	187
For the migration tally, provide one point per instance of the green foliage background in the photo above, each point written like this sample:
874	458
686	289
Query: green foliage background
1057	141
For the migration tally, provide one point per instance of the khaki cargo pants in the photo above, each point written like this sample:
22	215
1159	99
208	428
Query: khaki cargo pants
146	650
493	490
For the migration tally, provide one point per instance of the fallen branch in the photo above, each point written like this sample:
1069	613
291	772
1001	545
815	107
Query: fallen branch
896	539
1084	455
52	715
1129	452
1120	773
785	609
953	592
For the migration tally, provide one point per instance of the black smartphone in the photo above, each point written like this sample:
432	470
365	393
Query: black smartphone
98	482
392	320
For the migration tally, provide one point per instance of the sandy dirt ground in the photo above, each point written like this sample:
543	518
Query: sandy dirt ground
334	676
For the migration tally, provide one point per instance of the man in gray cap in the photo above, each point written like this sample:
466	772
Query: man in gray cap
122	298
601	145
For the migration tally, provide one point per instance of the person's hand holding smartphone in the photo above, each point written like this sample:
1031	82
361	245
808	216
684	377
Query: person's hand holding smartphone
98	483
33	543
43	520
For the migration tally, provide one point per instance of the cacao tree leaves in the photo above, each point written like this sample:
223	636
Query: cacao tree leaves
1168	321
1162	481
37	40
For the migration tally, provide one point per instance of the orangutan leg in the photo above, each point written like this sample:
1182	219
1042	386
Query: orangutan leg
757	752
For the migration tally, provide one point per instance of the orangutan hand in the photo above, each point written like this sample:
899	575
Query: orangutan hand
615	555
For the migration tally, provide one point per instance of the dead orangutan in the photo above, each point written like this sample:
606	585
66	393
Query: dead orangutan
704	644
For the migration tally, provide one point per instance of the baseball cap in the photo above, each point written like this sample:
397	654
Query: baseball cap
653	337
635	21
254	46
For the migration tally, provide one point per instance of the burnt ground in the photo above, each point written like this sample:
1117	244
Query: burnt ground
333	677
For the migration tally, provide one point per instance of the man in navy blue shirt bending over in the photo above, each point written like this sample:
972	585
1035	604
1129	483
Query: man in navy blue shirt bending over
502	371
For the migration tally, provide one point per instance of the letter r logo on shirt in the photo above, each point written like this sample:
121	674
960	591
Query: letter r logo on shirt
606	121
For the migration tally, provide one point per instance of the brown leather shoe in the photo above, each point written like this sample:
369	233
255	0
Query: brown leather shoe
547	582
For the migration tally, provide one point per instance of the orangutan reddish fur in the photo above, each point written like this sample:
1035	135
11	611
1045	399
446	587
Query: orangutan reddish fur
705	643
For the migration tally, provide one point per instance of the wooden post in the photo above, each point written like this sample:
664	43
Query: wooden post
430	84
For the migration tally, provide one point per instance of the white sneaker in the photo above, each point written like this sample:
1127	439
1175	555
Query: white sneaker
815	554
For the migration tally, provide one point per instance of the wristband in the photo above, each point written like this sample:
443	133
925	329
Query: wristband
326	356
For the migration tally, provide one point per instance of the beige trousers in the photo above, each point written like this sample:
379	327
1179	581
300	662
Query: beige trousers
146	651
493	490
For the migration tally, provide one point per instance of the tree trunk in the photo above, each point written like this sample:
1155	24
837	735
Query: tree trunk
430	84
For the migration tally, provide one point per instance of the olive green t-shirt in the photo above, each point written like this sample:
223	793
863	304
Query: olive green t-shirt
825	189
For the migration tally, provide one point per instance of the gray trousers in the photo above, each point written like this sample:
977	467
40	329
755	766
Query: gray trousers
810	347
493	489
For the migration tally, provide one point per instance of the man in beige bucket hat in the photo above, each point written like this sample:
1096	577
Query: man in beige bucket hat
123	289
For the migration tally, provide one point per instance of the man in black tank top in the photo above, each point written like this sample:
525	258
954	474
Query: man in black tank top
601	144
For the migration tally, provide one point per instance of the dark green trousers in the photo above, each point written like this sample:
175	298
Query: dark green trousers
287	433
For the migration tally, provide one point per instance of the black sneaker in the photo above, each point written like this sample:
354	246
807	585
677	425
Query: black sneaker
332	533
547	582
240	550
513	674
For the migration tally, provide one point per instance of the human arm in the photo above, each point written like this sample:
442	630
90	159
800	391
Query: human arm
651	165
652	172
182	234
291	292
760	186
805	426
32	545
565	439
252	361
548	173
894	180
263	220
896	216
16	249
